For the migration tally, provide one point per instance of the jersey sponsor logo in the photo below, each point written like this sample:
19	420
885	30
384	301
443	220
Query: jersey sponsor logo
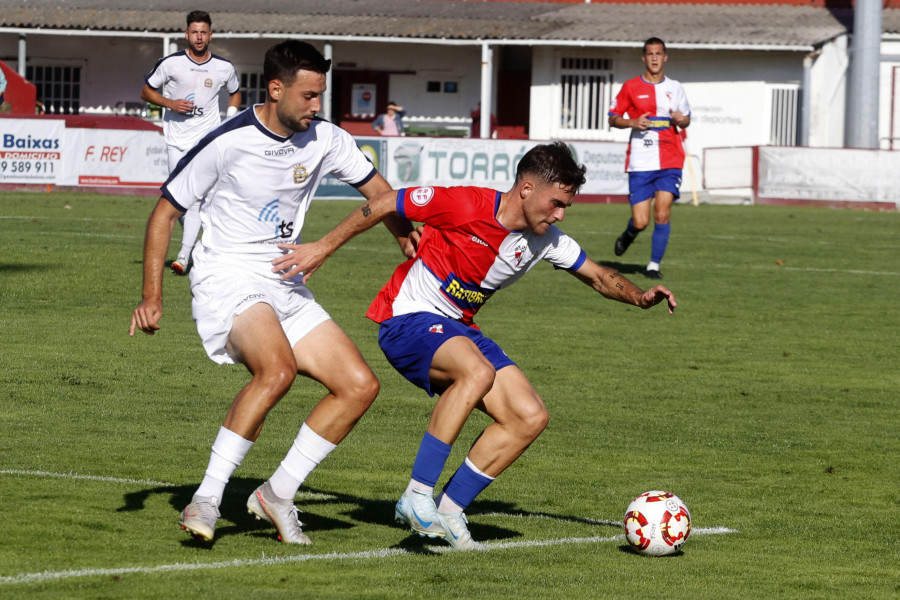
464	295
643	96
478	240
421	196
300	174
198	110
436	328
269	214
280	151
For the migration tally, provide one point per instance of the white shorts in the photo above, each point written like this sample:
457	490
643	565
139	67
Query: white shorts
223	290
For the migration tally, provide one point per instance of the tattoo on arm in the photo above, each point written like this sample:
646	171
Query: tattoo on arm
620	286
366	210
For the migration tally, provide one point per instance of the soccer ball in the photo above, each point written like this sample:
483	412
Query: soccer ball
657	523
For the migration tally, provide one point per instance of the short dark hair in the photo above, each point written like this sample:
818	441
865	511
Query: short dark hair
654	41
285	59
553	163
199	16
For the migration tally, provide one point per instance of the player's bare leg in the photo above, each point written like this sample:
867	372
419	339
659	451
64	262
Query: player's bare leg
519	418
258	340
330	357
327	355
464	372
460	366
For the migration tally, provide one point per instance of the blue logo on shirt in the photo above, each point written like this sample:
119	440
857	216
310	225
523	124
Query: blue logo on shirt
269	214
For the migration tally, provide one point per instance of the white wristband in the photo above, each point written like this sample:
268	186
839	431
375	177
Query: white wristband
230	111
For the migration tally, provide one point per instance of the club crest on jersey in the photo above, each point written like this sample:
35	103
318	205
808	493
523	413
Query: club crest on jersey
300	174
520	253
421	196
436	328
208	83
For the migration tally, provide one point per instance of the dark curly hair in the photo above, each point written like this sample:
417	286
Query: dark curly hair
552	163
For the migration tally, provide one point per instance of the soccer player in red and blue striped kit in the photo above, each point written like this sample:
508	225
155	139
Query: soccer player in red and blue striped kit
657	109
474	242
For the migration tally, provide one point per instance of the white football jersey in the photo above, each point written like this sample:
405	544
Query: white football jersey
258	185
178	77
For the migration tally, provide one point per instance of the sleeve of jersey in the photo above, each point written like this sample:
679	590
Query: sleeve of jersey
435	206
157	77
621	104
346	161
681	102
565	253
233	84
195	175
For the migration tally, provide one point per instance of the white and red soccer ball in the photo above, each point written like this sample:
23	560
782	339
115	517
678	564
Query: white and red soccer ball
657	523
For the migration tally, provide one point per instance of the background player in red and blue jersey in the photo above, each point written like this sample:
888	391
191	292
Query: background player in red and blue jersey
657	108
474	242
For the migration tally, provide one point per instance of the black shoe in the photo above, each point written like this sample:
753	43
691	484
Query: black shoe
653	274
622	244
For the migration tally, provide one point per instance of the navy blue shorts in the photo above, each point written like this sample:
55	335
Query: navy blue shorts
643	185
410	341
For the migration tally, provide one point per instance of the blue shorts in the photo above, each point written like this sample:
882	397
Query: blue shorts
410	341
643	185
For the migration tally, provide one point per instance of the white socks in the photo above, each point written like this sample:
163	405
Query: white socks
307	451
228	451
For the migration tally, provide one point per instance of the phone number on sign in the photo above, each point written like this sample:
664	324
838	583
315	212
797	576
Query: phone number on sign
26	166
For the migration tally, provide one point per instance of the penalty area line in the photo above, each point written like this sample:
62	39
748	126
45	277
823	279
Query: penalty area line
45	576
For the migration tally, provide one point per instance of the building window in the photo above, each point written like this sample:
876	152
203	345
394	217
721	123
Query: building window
783	122
585	94
58	87
253	89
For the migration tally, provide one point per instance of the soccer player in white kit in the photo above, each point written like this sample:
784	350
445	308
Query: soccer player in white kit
657	109
258	172
187	85
476	241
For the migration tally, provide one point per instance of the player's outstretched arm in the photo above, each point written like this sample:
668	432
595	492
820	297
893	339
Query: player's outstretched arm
611	284
401	228
306	258
156	244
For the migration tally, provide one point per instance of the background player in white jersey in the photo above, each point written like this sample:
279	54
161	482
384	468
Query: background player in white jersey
475	241
187	85
657	107
258	172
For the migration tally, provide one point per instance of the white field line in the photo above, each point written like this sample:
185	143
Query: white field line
264	561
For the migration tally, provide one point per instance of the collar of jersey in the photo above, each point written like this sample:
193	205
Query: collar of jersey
265	130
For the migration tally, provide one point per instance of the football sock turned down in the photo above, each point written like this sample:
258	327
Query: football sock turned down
308	450
660	241
463	487
228	451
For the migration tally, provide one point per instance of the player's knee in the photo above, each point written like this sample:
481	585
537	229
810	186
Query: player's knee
480	379
535	422
276	381
360	387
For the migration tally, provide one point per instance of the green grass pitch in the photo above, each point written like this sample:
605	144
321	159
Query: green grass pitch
768	403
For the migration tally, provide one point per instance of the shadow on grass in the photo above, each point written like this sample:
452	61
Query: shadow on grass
360	510
624	269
